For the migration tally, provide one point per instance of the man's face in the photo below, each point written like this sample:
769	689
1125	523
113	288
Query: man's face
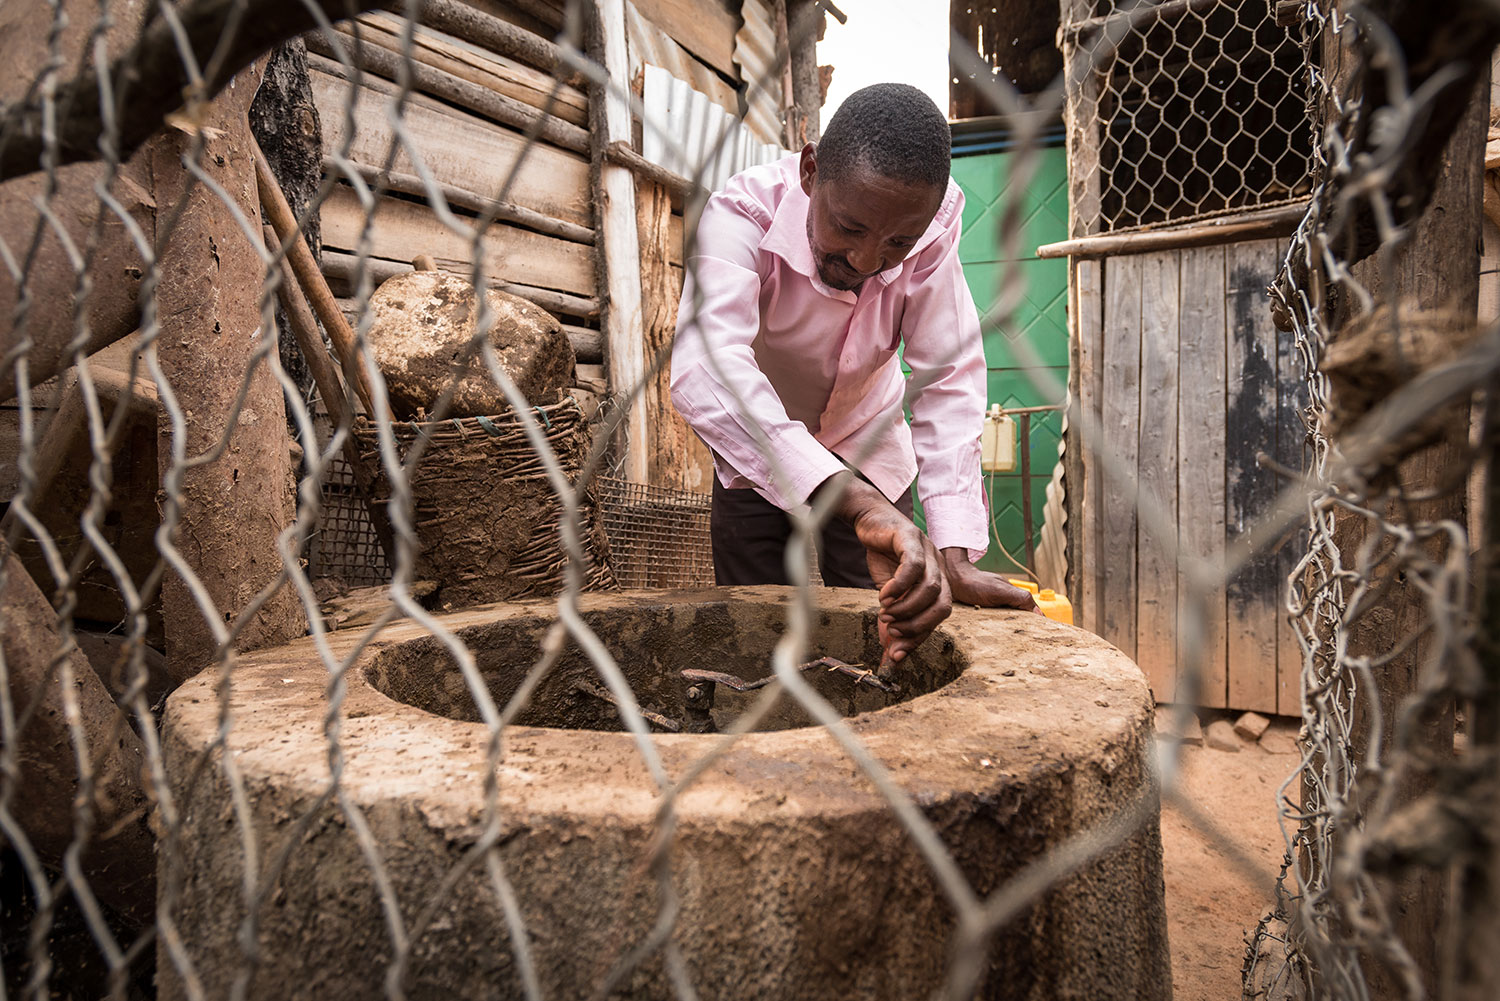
862	223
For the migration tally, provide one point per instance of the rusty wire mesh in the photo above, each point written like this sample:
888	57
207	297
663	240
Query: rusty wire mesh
1193	110
1383	597
658	536
1323	912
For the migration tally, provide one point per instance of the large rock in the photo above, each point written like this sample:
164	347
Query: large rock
422	321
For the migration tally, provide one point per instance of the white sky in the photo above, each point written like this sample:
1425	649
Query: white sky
901	41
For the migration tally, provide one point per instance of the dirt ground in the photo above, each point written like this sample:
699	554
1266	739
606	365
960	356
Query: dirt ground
1212	903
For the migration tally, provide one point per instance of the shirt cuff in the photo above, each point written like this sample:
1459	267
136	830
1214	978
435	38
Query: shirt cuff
806	464
954	522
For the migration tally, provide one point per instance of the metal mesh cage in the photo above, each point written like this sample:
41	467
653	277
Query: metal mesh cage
658	537
1183	110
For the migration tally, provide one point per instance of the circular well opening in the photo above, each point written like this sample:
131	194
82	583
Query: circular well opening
653	644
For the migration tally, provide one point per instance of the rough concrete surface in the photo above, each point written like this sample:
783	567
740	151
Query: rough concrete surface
422	322
793	877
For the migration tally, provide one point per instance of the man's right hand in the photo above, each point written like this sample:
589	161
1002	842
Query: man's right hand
908	569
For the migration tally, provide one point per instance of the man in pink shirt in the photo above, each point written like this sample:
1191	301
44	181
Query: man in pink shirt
807	275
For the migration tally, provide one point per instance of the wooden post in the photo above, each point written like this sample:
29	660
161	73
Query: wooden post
232	509
1082	118
676	456
619	246
805	19
1437	268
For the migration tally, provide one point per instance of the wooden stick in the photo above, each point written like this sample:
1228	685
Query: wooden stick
620	153
70	421
284	223
489	32
410	184
305	328
1270	223
436	82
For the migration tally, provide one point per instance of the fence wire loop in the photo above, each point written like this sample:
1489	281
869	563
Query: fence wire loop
126	439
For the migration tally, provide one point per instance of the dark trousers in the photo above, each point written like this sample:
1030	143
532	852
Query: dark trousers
750	534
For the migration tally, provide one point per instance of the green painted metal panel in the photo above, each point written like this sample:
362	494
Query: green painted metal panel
1037	333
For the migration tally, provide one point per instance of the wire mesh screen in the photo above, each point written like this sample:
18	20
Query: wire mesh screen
218	794
1182	110
658	537
346	547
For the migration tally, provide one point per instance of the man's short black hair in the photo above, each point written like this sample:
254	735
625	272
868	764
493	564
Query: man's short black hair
892	128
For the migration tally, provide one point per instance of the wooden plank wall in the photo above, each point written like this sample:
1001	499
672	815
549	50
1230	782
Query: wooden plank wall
1188	380
464	122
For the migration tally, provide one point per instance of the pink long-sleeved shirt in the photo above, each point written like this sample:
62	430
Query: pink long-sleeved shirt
763	343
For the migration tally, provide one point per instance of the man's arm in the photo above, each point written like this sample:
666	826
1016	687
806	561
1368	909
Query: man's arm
944	347
914	595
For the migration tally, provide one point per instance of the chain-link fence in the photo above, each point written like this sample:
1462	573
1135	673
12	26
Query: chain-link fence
213	837
1372	899
1193	110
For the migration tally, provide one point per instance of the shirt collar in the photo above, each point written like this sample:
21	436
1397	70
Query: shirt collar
786	237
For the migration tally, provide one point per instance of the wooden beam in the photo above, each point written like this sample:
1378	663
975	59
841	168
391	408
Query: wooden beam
401	229
480	100
1081	115
1259	225
159	79
619	152
456	147
341	268
588	344
490	32
462	198
620	241
279	214
489	70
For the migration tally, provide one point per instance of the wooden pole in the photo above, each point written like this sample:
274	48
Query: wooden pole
309	277
620	253
490	103
231	510
489	32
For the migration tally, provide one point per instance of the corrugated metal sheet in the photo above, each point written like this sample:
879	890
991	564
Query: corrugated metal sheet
686	132
648	44
755	57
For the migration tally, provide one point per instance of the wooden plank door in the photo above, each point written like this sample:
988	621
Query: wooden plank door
1189	383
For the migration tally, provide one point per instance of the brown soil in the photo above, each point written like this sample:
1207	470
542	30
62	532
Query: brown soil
1212	903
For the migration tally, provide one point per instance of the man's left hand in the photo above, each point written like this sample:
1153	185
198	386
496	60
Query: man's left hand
972	586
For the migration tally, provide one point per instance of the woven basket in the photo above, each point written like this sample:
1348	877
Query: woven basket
485	514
